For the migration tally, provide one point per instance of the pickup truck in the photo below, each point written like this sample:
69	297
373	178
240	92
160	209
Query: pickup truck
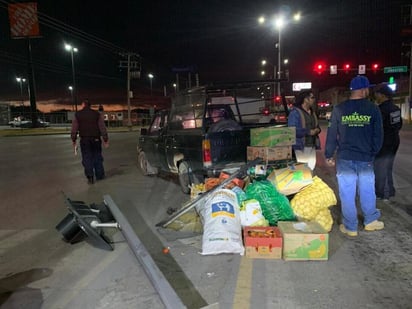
206	131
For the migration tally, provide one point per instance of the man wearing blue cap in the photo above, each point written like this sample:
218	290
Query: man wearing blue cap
392	123
355	134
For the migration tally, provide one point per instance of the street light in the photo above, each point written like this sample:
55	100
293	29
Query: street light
21	81
150	75
279	23
71	92
73	50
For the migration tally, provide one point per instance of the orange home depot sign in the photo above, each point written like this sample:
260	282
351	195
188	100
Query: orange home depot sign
23	20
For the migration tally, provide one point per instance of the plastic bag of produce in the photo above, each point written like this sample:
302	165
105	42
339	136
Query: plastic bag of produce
313	201
222	232
251	214
275	206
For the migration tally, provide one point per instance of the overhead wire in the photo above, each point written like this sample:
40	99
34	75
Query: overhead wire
66	29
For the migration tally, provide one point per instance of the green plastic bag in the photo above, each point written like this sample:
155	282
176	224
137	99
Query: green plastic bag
275	206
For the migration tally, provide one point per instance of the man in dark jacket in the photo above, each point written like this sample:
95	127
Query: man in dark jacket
90	126
355	133
392	123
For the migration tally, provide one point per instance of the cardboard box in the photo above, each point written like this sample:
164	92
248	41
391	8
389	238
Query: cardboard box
273	136
304	241
291	179
269	154
267	246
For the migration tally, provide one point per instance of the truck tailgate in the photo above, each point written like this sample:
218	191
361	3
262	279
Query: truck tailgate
229	146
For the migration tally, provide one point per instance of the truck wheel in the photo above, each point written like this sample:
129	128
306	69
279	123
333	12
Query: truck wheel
225	125
186	177
145	166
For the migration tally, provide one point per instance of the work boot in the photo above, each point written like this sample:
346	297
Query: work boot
374	226
343	229
90	180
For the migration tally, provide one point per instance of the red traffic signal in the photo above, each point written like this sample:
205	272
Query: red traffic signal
346	67
319	67
375	66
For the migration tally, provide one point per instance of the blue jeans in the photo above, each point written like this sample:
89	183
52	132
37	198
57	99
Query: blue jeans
356	177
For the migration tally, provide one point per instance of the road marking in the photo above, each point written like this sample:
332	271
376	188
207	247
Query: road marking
11	239
89	277
243	290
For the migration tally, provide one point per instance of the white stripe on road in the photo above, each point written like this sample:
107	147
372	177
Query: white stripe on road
13	238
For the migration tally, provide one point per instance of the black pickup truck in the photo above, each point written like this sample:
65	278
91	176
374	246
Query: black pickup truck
206	131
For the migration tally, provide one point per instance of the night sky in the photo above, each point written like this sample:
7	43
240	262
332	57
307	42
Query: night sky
221	39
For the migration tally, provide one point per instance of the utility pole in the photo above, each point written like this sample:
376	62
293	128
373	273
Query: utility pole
410	84
133	66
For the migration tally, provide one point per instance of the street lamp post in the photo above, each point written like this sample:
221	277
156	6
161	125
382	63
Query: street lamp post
264	62
279	23
21	81
71	92
150	75
73	50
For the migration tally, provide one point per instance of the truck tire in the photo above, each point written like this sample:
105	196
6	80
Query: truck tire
225	125
144	165
186	177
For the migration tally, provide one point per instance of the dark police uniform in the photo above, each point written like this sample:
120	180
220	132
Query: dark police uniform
90	126
384	160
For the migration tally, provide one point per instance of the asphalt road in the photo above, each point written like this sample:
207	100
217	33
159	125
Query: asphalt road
39	270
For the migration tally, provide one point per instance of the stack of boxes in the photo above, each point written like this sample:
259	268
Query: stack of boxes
299	241
271	143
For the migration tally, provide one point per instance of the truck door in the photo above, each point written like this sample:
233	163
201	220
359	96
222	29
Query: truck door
153	139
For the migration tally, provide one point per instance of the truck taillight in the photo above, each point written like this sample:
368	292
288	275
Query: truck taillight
207	157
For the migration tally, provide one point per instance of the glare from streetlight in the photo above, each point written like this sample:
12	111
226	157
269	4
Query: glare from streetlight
70	88
262	73
261	20
19	79
150	75
264	62
286	61
297	16
279	22
70	48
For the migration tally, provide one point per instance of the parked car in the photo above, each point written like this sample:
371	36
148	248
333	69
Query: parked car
40	124
18	121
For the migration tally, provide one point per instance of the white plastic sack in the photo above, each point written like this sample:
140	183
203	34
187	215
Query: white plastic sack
251	214
222	232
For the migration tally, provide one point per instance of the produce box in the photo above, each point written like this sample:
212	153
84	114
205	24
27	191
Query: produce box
269	154
291	179
304	241
273	136
262	242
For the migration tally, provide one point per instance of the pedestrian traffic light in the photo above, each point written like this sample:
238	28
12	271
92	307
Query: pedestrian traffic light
319	67
346	68
391	80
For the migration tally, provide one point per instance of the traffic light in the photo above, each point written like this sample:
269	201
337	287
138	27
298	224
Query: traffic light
346	68
319	67
277	99
375	67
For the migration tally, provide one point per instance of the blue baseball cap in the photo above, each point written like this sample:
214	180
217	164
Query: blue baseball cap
359	82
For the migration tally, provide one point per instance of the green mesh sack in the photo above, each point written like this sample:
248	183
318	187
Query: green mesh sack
275	206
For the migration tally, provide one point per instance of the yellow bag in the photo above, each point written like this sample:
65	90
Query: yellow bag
312	203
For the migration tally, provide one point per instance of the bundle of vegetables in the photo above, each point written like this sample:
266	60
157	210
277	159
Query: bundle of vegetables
275	206
312	203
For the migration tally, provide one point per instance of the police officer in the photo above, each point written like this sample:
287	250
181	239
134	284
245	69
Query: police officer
392	123
90	126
